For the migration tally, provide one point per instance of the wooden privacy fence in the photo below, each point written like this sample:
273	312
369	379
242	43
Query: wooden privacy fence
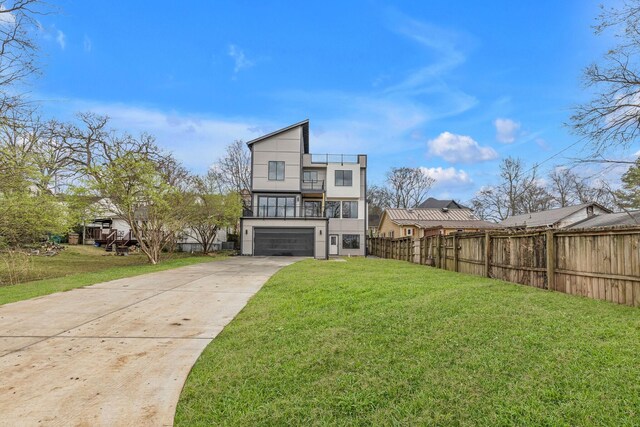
596	263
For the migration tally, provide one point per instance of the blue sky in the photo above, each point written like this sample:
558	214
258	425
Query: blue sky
449	86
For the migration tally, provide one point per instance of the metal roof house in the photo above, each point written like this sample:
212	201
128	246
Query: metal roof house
619	219
420	222
555	218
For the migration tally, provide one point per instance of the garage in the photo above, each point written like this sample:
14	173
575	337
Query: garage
283	241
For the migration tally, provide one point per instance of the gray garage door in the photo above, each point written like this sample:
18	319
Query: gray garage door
283	241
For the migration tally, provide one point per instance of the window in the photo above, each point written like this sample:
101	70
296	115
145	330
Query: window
333	209
310	176
276	206
409	231
350	241
344	178
349	209
276	171
313	208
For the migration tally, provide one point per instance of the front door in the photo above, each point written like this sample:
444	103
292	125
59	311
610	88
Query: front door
333	244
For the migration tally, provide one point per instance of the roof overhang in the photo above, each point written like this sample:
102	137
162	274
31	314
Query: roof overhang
305	134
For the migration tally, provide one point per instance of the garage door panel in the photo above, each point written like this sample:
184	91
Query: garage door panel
284	241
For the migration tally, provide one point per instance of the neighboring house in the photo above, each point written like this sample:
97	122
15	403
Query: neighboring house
555	218
432	203
420	222
303	204
620	219
110	228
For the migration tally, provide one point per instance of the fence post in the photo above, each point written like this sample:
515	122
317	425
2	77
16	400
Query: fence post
551	260
487	253
455	252
438	262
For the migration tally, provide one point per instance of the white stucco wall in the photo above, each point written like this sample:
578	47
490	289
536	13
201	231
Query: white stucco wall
352	191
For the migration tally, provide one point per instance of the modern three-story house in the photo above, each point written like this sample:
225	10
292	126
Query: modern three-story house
303	204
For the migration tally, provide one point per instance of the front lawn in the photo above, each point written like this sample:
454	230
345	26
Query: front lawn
86	265
383	342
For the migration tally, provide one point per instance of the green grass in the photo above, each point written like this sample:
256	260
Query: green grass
77	259
383	342
79	266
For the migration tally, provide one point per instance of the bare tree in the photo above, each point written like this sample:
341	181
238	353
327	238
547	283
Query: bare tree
519	191
17	49
564	186
233	170
407	187
209	210
612	118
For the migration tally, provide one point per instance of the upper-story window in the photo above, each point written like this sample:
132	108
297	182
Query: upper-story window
349	209
310	176
276	171
344	178
332	209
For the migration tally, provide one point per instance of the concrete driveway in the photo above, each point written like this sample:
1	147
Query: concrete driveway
118	353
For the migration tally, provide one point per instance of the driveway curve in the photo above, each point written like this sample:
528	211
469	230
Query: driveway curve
119	352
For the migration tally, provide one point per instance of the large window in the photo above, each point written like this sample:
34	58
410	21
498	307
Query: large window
333	209
310	176
344	178
349	209
313	208
276	171
350	241
276	206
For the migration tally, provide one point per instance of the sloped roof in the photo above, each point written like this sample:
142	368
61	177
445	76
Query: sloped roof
432	203
305	134
545	218
610	220
421	214
463	224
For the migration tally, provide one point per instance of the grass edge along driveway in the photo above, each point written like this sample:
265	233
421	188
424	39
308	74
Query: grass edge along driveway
378	342
23	291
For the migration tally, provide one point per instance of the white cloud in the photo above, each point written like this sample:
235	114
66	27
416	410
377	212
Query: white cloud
459	149
87	44
506	130
61	39
448	177
6	18
240	59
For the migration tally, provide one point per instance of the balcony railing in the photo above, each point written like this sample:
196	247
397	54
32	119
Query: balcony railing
315	185
334	158
288	211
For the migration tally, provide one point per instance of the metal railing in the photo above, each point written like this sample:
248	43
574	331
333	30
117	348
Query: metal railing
316	185
287	211
334	158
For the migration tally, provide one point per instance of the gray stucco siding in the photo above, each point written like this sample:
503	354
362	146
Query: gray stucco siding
285	147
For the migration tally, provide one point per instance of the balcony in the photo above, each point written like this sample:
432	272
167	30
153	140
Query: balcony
314	186
312	210
311	160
